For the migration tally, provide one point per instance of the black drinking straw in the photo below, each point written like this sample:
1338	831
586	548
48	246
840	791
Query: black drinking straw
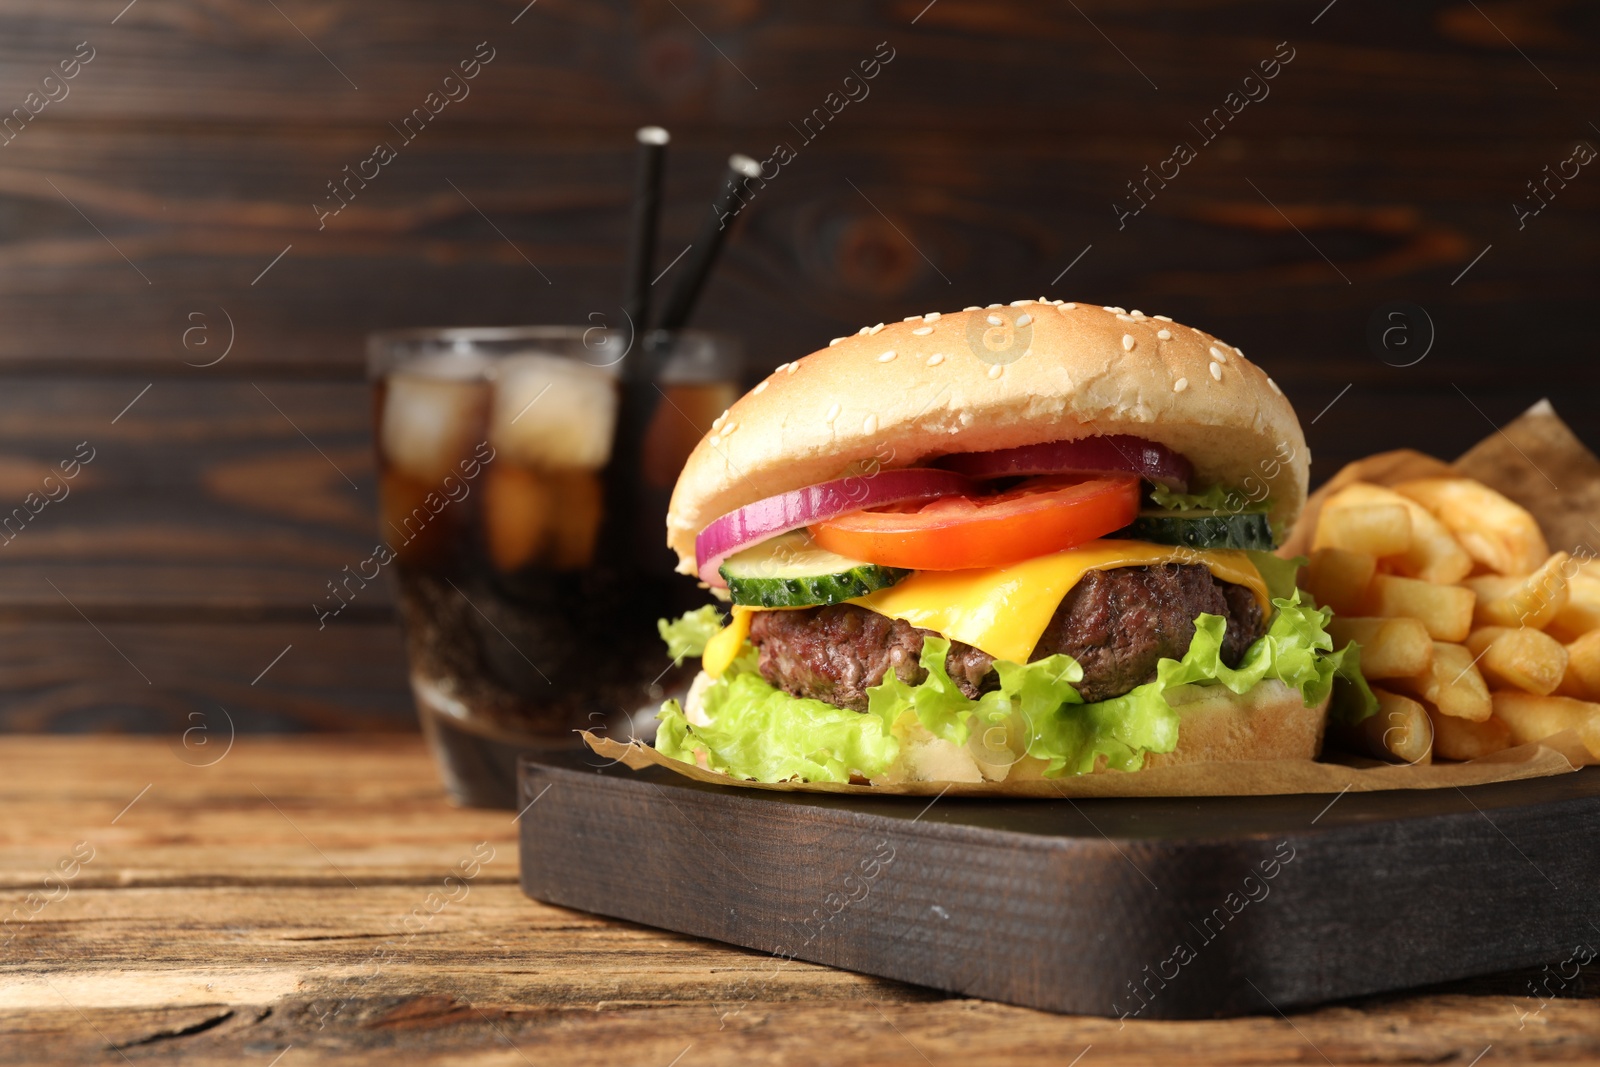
642	240
703	253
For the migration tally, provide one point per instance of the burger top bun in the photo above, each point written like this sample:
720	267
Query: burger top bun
1033	371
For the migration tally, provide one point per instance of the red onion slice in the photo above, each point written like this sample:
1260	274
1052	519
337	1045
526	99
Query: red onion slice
1087	455
779	514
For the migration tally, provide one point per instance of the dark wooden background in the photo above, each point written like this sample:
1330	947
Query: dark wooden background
987	157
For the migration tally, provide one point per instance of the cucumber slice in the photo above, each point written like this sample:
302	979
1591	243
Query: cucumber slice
790	571
1202	528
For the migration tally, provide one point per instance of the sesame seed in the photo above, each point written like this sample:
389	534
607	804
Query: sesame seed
1136	313
716	423
1043	300
922	331
1163	318
1198	333
760	388
1238	351
713	440
995	320
974	307
965	418
791	368
911	318
1275	388
1124	318
1068	306
870	425
1180	385
1218	354
863	331
887	356
1108	307
1128	342
996	306
1216	371
1164	335
727	431
997	370
874	329
932	316
1024	319
936	359
833	413
1020	303
836	340
1119	311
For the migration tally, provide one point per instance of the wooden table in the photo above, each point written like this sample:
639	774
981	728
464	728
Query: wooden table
294	902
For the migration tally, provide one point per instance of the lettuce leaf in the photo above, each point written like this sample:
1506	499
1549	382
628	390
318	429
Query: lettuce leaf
1216	498
753	730
758	732
687	635
1277	572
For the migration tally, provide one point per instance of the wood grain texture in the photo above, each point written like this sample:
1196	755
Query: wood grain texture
233	496
187	554
209	953
1158	908
170	677
932	222
572	64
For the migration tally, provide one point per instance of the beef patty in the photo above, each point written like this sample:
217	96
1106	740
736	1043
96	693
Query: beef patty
1117	624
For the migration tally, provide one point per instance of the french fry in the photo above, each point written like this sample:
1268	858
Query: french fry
1446	610
1493	530
1533	600
1589	734
1582	677
1378	529
1390	648
1452	685
1433	554
1398	731
1522	659
1338	578
1581	613
1534	718
1463	739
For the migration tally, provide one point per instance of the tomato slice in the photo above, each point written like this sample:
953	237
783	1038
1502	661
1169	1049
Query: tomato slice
953	533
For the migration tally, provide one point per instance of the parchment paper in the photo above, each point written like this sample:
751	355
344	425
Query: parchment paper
1535	460
1555	755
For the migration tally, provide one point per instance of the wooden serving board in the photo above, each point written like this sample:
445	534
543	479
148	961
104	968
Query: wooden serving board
1139	907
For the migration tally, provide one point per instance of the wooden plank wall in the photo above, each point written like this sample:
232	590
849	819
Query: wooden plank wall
143	201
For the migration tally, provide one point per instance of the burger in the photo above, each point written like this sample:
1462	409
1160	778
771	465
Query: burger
1027	540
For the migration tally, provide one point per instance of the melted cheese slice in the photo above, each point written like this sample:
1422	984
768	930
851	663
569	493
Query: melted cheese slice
725	644
1004	610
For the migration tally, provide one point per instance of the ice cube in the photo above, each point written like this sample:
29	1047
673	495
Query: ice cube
578	510
553	413
415	526
434	416
676	427
516	515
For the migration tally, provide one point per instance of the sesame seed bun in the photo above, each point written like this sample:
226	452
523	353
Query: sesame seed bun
1025	373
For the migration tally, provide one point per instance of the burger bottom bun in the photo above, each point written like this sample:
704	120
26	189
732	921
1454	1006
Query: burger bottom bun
1270	722
1215	725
